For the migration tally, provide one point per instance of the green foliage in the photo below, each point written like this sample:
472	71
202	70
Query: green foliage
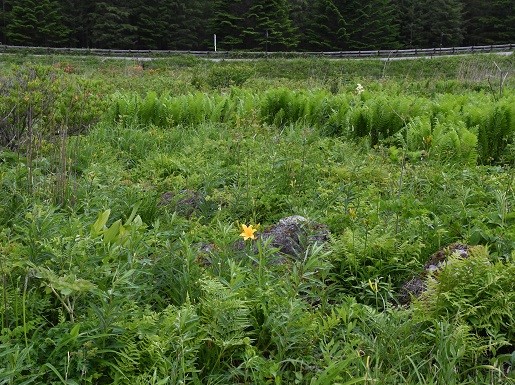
446	142
258	25
38	102
438	24
496	129
36	23
414	122
161	346
475	292
139	276
111	25
282	107
369	24
488	22
324	31
371	264
225	77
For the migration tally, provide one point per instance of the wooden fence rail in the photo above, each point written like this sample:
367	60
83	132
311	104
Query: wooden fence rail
251	54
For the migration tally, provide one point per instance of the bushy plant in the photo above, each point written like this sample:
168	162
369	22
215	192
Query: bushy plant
225	77
370	264
39	101
475	292
446	142
495	129
140	277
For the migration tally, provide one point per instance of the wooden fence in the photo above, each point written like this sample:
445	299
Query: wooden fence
417	52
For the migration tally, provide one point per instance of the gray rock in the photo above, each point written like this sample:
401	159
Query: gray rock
417	285
293	235
185	202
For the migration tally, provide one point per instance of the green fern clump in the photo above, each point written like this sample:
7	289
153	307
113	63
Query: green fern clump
419	134
454	143
132	109
383	116
161	111
368	265
188	109
225	316
281	107
237	107
164	346
224	109
393	114
150	111
446	142
495	124
246	107
124	109
476	292
319	107
385	121
359	121
449	105
337	123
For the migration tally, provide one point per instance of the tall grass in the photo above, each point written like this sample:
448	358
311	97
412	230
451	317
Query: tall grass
451	128
142	277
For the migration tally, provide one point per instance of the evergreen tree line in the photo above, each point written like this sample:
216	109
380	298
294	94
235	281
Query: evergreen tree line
275	25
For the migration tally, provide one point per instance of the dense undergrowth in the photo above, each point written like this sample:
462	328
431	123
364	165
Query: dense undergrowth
123	188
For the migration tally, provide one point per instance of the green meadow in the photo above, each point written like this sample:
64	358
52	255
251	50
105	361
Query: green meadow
124	185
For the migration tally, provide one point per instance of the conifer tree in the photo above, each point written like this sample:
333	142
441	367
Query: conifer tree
324	28
149	21
112	26
32	22
51	27
435	23
443	26
199	34
299	12
488	22
410	15
257	24
228	22
370	24
270	26
21	28
4	11
78	18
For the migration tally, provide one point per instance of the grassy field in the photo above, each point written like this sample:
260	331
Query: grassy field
124	186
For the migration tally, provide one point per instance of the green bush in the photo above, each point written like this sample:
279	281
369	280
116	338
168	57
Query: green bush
495	126
475	292
446	142
38	101
225	77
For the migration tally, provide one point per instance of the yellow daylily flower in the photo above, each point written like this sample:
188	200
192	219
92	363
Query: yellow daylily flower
373	285
248	232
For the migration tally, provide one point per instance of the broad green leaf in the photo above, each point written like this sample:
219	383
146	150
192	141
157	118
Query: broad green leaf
75	331
66	290
138	221
123	233
111	234
133	213
98	226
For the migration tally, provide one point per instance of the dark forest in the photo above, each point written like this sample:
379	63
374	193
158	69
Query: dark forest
257	25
